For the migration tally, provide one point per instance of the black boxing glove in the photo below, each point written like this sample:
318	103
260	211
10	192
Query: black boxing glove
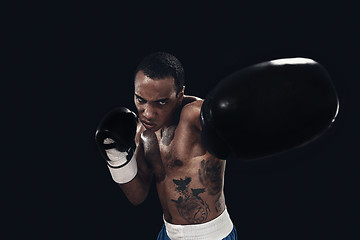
115	138
268	108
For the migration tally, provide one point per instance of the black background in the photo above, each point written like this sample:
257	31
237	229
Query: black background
69	64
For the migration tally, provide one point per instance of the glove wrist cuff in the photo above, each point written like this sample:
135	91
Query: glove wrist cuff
125	173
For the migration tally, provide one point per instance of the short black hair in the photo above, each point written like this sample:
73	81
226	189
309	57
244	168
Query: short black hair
160	65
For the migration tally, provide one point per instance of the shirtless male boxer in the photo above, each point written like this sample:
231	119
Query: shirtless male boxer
182	142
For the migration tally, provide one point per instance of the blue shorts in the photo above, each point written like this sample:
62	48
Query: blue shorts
163	236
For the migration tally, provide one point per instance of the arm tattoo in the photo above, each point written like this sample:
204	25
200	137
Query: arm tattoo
189	204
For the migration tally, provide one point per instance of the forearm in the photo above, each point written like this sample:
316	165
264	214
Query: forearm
137	189
117	139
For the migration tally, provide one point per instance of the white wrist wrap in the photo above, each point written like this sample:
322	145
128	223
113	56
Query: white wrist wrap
125	173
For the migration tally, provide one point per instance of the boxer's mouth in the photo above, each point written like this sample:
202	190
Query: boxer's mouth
148	125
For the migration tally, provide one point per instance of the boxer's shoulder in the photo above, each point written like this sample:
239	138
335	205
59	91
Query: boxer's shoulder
192	100
190	111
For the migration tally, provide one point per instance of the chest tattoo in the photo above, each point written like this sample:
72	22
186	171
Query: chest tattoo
189	204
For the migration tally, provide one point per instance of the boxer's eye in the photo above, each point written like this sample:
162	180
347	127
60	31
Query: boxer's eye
140	99
162	101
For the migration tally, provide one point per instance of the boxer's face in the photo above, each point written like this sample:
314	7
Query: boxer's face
156	100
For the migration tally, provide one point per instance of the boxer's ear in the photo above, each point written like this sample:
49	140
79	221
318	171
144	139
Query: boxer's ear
180	96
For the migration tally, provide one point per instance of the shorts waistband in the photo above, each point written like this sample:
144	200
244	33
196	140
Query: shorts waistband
215	229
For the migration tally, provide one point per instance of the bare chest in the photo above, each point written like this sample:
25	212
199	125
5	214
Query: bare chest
174	151
170	149
178	147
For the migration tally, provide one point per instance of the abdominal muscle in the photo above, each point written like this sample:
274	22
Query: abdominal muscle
193	192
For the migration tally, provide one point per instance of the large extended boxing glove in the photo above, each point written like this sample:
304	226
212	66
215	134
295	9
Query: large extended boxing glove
268	108
115	138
